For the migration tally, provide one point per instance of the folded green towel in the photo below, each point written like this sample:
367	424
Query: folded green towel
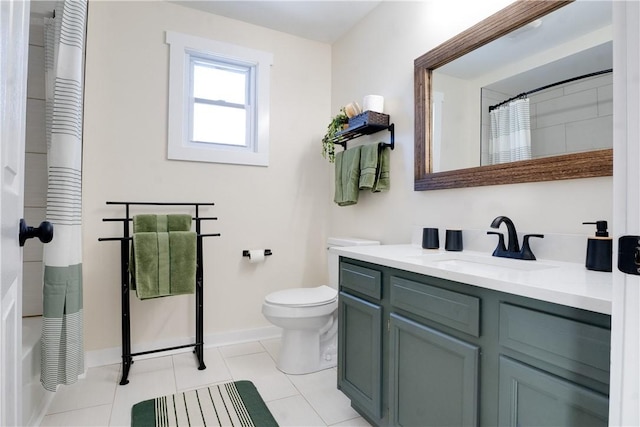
159	223
163	263
349	176
383	180
369	163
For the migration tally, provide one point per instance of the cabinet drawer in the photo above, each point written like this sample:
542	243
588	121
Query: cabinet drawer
569	344
360	279
452	309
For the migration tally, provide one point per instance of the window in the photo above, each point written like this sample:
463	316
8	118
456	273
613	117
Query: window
218	102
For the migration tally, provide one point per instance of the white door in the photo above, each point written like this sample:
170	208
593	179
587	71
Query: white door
14	43
624	409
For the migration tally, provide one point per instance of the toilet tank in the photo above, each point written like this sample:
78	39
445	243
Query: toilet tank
333	259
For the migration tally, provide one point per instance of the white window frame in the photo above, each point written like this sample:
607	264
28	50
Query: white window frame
182	48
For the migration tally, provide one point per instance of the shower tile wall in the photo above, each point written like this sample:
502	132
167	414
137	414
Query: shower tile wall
35	185
573	118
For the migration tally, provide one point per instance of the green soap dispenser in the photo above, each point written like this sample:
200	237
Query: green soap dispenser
599	248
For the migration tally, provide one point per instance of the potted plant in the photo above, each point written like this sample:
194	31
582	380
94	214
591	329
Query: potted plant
337	124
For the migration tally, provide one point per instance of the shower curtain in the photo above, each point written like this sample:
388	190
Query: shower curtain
62	357
510	132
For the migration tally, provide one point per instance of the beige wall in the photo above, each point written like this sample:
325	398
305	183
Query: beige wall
399	32
282	207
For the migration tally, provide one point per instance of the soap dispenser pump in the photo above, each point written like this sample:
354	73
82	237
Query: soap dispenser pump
599	248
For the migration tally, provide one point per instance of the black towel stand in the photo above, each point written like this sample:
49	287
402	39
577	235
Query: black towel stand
127	356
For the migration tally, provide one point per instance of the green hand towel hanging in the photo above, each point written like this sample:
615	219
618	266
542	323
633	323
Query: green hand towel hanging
164	263
369	166
383	178
348	169
163	255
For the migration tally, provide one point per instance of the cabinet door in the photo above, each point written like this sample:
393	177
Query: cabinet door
531	397
360	352
434	377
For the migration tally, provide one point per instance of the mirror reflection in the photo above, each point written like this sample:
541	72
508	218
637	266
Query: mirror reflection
543	90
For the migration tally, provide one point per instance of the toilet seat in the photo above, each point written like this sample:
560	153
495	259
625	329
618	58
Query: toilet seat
303	297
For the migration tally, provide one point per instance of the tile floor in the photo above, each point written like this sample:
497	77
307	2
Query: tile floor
294	400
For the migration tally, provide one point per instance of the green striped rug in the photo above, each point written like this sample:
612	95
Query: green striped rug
231	404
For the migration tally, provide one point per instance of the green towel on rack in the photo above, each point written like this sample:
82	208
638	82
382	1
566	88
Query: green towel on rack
164	263
347	176
159	223
383	178
182	251
156	223
337	198
369	165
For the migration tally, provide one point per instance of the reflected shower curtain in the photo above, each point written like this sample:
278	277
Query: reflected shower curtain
62	357
510	133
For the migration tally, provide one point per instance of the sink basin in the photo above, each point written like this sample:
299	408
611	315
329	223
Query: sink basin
469	262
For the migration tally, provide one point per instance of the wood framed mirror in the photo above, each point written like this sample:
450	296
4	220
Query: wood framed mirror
568	166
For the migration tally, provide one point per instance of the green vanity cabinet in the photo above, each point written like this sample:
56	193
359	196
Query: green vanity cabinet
360	338
416	350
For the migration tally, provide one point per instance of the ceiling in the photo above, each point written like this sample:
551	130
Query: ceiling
321	20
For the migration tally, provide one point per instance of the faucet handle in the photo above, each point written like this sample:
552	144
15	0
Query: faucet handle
501	247
526	249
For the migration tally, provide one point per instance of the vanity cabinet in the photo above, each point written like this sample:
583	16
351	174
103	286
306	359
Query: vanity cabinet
360	338
416	350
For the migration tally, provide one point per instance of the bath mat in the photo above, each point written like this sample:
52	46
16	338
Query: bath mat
230	404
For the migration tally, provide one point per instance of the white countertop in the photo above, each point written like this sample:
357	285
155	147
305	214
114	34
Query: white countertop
565	283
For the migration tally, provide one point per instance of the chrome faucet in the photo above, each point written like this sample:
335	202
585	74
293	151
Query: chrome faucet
512	250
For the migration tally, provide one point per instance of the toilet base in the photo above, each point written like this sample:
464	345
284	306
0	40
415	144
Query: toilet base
300	351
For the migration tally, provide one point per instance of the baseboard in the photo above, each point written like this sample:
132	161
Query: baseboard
111	356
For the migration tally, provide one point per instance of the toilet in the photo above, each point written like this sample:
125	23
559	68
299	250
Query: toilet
309	319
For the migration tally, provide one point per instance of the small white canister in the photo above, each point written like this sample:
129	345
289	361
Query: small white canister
373	103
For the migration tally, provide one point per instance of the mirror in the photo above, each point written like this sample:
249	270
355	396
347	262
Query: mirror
475	44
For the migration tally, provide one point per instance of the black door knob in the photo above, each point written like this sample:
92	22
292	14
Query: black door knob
44	232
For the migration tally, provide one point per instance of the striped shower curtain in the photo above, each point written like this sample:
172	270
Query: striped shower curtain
62	330
510	132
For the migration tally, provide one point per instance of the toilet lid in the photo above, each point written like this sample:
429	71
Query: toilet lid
303	297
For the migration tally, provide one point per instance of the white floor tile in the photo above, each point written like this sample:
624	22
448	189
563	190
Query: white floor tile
356	422
189	377
93	416
320	390
241	349
260	369
98	388
152	378
321	380
294	411
295	400
272	347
